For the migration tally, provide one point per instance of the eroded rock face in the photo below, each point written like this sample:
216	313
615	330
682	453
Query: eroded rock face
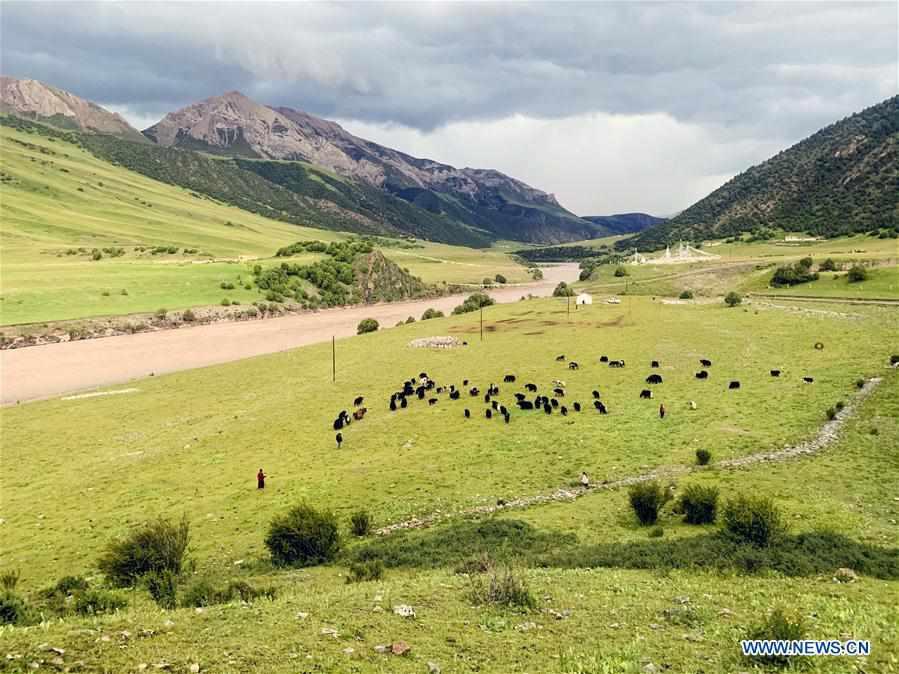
36	100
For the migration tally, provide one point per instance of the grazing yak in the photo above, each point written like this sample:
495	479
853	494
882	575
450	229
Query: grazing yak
519	396
734	385
646	393
547	408
488	413
603	359
808	380
339	438
393	404
616	363
432	401
554	402
530	387
404	403
467	413
702	374
454	395
560	358
577	407
503	410
464	382
654	379
559	391
494	404
486	397
474	392
573	365
654	363
358	401
595	394
359	414
525	404
705	362
506	417
564	411
420	392
509	378
775	373
600	407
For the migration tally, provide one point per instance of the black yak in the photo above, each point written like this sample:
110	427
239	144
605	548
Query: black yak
559	392
775	373
509	378
705	362
560	358
454	395
554	402
595	394
577	407
432	401
488	413
600	407
734	385
339	439
358	401
547	408
519	396
808	380
654	363
573	365
702	374
393	405
654	379
467	413
530	387
525	405
646	393
603	359
564	411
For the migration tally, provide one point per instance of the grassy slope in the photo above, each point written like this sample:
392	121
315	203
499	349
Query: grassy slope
44	214
192	442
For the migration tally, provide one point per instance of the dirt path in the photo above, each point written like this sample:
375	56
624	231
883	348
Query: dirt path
826	435
53	369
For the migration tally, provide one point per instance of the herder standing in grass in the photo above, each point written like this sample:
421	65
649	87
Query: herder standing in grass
662	411
260	479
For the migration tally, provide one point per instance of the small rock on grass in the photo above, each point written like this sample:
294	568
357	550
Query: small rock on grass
400	648
194	668
433	668
404	611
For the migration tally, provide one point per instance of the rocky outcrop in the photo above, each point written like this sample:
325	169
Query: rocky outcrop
35	100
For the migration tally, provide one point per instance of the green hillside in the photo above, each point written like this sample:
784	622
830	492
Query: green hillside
843	179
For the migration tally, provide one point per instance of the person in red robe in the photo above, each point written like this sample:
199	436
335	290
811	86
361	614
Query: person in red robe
260	479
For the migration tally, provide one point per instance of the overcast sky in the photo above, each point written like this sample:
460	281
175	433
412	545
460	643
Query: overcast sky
611	106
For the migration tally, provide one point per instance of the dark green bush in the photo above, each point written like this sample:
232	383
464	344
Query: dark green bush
647	498
365	571
474	302
620	272
360	523
366	325
503	587
733	298
188	316
411	319
831	413
828	265
303	537
431	313
563	290
65	586
859	383
755	520
703	456
857	274
93	602
499	278
226	285
686	295
699	504
155	547
778	626
163	587
204	593
13	609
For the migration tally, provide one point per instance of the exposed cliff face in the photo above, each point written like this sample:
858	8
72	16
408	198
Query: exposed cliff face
41	102
482	198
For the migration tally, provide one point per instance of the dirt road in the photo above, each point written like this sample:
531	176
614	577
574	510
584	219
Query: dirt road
53	369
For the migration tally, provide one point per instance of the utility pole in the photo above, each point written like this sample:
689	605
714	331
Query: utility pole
333	360
568	297
482	323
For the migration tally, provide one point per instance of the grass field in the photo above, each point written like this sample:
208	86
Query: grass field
191	443
882	283
54	197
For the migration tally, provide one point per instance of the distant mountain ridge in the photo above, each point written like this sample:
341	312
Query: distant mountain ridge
842	179
233	124
625	223
35	100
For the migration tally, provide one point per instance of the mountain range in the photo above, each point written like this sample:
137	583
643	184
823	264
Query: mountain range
335	179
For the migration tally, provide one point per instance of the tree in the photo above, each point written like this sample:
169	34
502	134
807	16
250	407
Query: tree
733	299
431	313
499	278
857	274
367	325
686	295
486	282
563	290
828	265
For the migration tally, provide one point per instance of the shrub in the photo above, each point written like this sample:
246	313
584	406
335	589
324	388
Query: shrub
9	580
499	278
188	316
156	546
831	413
360	523
123	292
13	609
703	456
828	265
474	302
857	274
486	282
303	537
367	325
859	383
364	571
411	319
563	290
226	302
163	587
502	587
226	285
620	272
96	255
686	295
431	313
647	498
161	314
733	298
204	593
92	602
840	405
755	520
65	586
699	504
778	626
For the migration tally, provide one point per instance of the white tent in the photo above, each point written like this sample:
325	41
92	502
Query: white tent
584	298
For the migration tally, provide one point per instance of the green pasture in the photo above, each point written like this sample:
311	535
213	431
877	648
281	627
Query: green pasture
89	469
882	283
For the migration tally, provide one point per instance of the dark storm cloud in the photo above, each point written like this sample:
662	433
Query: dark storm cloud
747	66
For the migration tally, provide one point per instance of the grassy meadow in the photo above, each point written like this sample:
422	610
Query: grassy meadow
190	443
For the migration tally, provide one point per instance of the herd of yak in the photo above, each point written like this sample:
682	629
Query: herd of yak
423	387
